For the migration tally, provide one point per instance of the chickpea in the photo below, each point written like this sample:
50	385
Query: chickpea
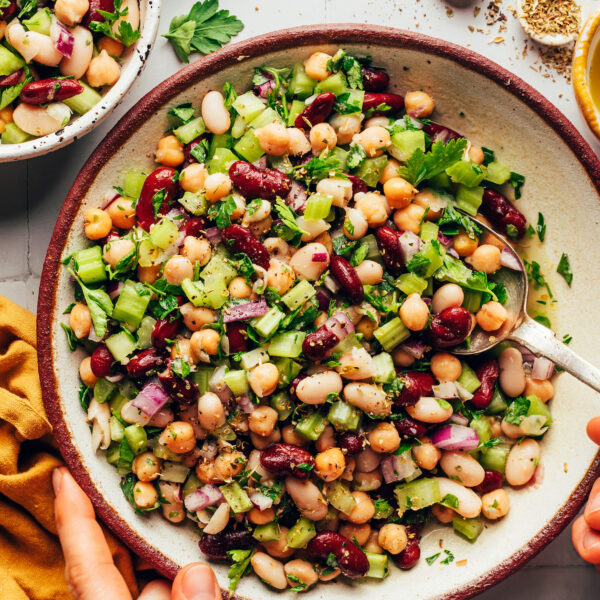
196	317
367	327
409	218
262	420
217	186
495	504
316	66
80	320
70	12
392	537
273	138
369	272
291	437
355	224
346	126
183	349
197	250
414	312
464	244
399	193
301	571
113	47
205	471
103	70
193	177
446	296
260	442
367	482
445	366
476	154
97	224
205	340
380	121
144	495
280	276
122	212
360	533
426	454
178	437
322	136
326	440
178	268
211	413
214	112
146	466
169	151
486	258
330	464
402	358
372	544
373	206
229	464
6	114
238	288
384	438
263	379
148	274
442	513
373	140
432	203
491	316
418	104
85	372
542	388
390	171
279	548
115	250
261	517
363	511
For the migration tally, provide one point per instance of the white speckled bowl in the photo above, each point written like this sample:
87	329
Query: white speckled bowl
493	108
134	60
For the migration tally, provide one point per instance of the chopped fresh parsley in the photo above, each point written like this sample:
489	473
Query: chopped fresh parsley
288	229
84	396
431	559
490	443
243	265
300	585
221	212
99	304
567	339
452	221
564	268
71	337
319	167
125	34
356	156
157	201
164	306
306	467
488	156
517	181
180	367
450	500
183	113
543	320
229	94
240	567
534	273
517	411
343	246
359	254
541	227
350	66
449	558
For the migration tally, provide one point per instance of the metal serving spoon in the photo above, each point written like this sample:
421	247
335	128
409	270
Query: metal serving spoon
521	328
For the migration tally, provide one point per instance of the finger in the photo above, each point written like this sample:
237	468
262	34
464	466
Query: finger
90	570
592	508
586	541
196	581
156	590
593	430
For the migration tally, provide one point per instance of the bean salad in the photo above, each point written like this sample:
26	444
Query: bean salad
269	317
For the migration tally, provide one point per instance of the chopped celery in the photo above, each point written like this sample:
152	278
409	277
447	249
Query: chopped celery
537	407
281	163
441	181
84	101
298	295
237	382
194	202
494	459
265	118
467	173
136	438
317	206
354	99
9	62
148	254
497	173
311	427
417	494
118	401
370	170
89	264
238	128
347	344
222	140
336	84
301	533
404	144
116	429
201	377
268	323
253	358
133	183
164	453
469	199
164	233
132	303
236	497
194	291
13	135
216	291
384	368
435	254
378	565
468	378
429	231
219	267
301	85
484	430
190	131
411	283
288	370
121	345
221	160
266	533
248	106
103	390
296	110
391	334
341	155
40	21
190	486
498	404
344	416
373	253
339	497
248	147
113	453
287	344
467	528
472	300
174	472
282	404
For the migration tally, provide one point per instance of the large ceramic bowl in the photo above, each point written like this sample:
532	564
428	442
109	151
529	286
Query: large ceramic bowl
493	108
133	62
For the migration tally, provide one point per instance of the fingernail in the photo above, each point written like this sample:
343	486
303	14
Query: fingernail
57	477
199	583
590	539
594	503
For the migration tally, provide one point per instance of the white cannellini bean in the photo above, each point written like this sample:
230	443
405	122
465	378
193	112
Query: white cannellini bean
33	45
522	462
430	410
469	503
83	49
315	388
339	189
261	210
368	460
368	397
269	570
356	365
512	376
99	416
303	264
170	491
313	229
36	120
219	519
307	497
462	468
215	114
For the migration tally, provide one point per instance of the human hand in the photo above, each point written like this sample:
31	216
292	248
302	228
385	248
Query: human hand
586	529
90	571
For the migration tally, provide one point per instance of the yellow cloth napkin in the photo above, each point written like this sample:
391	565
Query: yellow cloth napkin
31	562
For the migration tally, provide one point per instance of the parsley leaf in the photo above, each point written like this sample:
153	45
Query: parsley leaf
450	500
534	273
200	150
306	467
125	32
221	212
452	221
359	254
240	566
243	265
300	585
517	411
180	367
319	167
342	245
84	396
517	181
229	94
564	268
356	156
449	558
543	320
488	156
431	559
541	227
183	113
10	94
99	304
350	66
157	201
288	229
71	337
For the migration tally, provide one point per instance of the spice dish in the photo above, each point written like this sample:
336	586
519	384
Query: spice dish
393	50
550	22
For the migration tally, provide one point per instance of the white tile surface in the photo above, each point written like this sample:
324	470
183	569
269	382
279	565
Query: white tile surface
31	193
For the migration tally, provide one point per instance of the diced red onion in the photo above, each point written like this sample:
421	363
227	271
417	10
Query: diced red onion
261	163
213	235
209	449
340	325
297	198
113	288
217	384
93	337
414	347
323	300
463	392
409	245
509	260
459	419
108	197
320	257
542	368
528	356
248	310
246	404
453	253
151	399
445	390
62	39
177	213
259	500
331	284
264	89
114	378
207	495
455	437
444	240
397	467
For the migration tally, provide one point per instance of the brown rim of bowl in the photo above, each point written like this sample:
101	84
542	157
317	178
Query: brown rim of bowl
252	49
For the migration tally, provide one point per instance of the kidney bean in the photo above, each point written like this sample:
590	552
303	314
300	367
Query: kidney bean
6	12
242	240
488	374
253	183
164	329
416	384
49	90
218	544
351	442
161	179
502	213
283	459
144	363
438	132
408	427
351	559
389	246
374	80
94	14
372	101
409	557
347	277
236	334
493	480
182	389
101	361
358	185
450	327
318	345
11	79
316	112
194	226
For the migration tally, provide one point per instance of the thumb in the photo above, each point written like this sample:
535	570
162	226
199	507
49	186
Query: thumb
196	581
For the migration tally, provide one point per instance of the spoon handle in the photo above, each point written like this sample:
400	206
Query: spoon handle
541	340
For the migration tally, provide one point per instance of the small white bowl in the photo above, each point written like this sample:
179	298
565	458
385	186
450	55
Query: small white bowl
556	39
133	62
